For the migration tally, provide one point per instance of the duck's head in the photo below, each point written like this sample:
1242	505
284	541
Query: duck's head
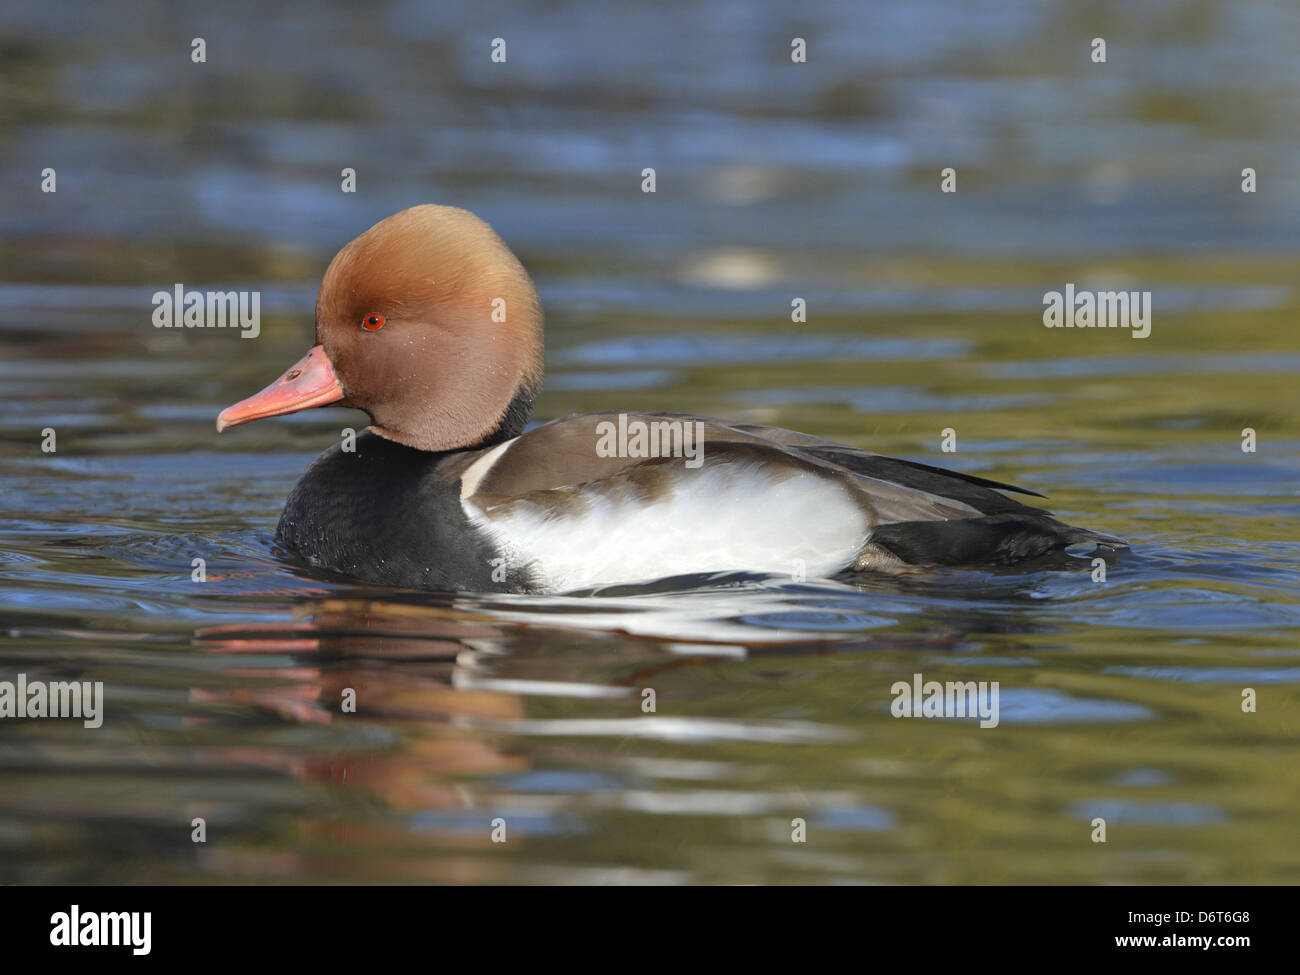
427	322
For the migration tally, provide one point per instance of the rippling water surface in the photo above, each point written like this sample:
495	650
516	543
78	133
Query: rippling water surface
1120	699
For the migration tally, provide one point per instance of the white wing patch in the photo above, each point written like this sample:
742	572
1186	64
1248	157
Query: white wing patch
475	472
721	517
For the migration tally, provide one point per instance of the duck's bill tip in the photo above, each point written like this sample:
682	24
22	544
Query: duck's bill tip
309	382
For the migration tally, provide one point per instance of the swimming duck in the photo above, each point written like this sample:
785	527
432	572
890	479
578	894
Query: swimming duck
430	324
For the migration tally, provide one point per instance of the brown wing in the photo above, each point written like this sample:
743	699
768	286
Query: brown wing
547	463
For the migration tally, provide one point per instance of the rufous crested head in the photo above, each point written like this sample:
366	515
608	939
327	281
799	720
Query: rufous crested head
427	322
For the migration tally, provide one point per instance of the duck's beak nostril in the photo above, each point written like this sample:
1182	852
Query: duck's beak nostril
291	375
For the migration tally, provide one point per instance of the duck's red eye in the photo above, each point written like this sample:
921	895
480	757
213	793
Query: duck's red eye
372	323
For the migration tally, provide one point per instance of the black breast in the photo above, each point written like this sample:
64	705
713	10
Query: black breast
384	514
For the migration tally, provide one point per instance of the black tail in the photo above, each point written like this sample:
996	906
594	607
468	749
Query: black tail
1001	539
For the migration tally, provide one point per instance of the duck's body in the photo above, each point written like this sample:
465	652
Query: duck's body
544	513
445	491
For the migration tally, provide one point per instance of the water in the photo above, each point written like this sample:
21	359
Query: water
1120	699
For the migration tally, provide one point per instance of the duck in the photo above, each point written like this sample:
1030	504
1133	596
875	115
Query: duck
430	324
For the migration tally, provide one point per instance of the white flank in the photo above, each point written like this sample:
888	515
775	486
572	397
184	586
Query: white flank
722	517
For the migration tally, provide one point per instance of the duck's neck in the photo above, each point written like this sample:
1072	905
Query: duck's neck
512	425
512	422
